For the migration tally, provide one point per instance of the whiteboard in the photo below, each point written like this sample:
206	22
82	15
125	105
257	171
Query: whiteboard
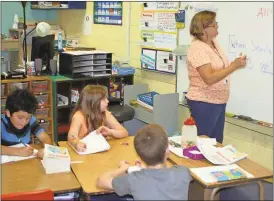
243	27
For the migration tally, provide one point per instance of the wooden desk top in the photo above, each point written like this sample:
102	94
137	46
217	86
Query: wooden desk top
29	175
248	165
95	164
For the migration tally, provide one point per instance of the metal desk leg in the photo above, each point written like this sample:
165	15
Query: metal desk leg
209	194
261	189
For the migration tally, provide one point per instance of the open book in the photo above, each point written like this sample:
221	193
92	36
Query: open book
6	158
95	143
220	173
221	155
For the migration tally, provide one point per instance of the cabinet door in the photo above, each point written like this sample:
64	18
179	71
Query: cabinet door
77	5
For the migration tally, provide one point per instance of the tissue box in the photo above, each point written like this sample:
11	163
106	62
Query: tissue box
193	153
56	159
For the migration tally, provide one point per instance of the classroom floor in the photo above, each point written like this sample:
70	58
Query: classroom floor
247	192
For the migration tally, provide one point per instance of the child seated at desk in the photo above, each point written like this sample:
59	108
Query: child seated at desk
18	123
154	181
90	113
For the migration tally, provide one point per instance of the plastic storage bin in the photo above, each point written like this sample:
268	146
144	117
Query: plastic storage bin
20	85
42	99
42	112
39	86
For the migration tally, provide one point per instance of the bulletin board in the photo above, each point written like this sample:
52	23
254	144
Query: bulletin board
158	60
158	36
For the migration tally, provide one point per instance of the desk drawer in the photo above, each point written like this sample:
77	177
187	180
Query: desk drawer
42	99
39	86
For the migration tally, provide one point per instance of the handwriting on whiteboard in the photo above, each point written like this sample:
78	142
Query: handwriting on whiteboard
263	48
265	12
235	44
267	67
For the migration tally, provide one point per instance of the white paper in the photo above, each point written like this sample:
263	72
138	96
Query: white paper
166	61
221	155
204	173
165	40
87	25
133	169
161	6
166	21
6	158
206	141
94	143
176	150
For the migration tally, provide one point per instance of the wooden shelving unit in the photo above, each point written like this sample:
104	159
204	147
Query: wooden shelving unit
63	85
44	96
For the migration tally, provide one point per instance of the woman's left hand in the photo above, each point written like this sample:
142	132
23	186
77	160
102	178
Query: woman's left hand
105	131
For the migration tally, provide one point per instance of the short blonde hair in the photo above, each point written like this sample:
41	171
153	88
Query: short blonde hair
200	21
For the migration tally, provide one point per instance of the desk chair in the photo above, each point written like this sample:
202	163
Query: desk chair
46	194
121	112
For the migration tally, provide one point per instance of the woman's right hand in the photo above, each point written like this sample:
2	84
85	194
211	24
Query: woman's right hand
25	151
240	62
80	146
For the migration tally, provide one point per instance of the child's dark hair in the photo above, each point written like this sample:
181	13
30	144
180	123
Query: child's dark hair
151	143
21	99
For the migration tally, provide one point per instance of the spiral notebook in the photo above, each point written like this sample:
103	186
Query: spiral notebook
95	143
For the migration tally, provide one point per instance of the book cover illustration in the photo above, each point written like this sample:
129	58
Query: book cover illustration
227	175
55	151
147	98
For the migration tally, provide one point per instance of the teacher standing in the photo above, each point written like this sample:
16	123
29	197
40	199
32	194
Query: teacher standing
208	71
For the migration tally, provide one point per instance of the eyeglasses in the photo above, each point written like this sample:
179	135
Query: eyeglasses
213	25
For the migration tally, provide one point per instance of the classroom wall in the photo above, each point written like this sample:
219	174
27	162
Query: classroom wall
113	39
104	37
9	9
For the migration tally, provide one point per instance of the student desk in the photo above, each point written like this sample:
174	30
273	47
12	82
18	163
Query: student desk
210	190
95	164
29	175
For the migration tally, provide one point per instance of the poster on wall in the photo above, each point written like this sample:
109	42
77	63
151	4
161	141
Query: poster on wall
158	25
161	5
165	61
161	21
108	12
148	59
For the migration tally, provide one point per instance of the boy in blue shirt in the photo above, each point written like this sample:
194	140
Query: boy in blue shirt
154	181
18	123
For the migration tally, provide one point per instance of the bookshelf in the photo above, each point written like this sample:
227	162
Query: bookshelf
42	89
